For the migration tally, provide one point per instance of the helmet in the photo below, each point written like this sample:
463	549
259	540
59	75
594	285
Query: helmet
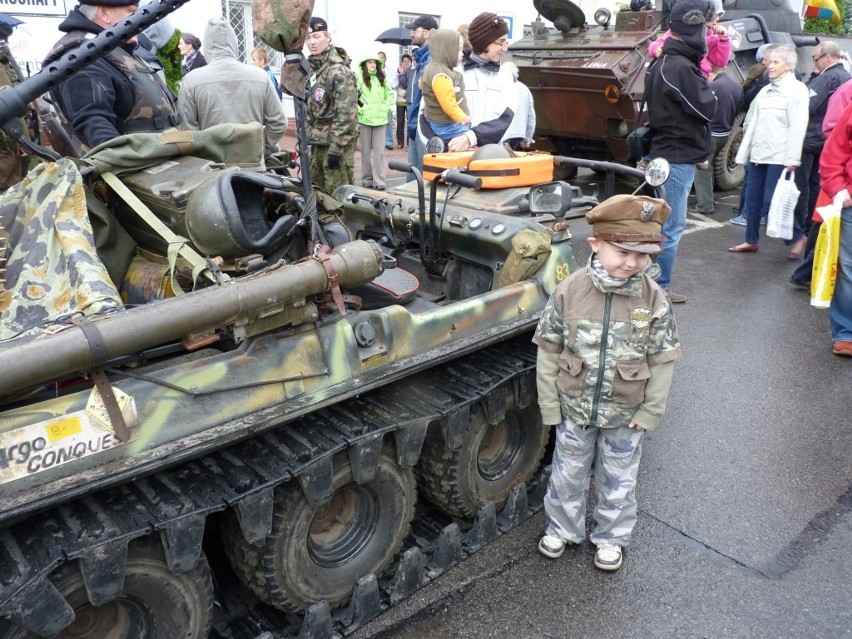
491	152
226	216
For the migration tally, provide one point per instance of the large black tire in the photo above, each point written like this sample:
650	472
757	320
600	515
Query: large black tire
727	173
489	463
318	554
155	603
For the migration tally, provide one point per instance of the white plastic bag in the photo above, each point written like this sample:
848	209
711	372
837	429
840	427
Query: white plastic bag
779	222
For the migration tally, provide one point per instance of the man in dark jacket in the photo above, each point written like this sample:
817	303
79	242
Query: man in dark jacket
830	74
681	106
420	30
729	98
116	94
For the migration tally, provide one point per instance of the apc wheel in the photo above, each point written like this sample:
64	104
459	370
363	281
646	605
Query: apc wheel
314	554
489	463
728	174
155	603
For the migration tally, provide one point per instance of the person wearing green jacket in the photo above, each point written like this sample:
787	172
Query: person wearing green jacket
375	100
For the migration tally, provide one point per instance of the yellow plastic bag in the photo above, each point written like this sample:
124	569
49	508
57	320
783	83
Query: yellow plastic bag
826	254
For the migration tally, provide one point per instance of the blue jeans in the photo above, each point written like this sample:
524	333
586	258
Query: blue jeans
678	186
415	152
389	130
840	311
807	180
762	179
448	131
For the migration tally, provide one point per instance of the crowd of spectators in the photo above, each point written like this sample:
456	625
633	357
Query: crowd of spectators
692	105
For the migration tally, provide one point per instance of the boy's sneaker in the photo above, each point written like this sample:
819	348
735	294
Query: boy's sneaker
551	546
739	220
608	557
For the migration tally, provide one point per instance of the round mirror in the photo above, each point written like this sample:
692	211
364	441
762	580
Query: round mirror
603	16
435	145
657	171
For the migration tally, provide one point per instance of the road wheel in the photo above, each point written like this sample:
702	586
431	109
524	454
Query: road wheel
155	603
728	174
489	463
319	553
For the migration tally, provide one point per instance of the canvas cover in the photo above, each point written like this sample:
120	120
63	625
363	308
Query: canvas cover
229	144
52	270
530	250
282	25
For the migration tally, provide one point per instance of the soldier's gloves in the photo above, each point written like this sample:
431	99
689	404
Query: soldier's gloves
333	161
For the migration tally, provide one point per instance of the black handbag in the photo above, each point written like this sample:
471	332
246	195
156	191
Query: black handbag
639	139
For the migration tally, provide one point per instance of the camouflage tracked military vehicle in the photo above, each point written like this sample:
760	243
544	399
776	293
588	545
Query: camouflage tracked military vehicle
587	80
341	405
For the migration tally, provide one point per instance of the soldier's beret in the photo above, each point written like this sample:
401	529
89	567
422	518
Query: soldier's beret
317	24
631	222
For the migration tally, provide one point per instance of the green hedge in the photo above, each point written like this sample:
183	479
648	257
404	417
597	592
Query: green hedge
171	59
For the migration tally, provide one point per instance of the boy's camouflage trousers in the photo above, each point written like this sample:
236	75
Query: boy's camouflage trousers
616	453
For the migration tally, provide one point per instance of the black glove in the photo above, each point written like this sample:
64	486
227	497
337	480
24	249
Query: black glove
333	161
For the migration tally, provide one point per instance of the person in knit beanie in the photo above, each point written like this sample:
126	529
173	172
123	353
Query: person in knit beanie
717	43
485	29
689	20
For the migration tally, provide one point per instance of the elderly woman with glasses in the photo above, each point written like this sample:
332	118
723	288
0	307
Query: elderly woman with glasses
774	132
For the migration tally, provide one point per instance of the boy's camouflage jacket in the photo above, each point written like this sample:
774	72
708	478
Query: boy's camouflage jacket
606	353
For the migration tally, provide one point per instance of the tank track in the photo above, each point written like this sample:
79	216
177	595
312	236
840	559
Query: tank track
177	502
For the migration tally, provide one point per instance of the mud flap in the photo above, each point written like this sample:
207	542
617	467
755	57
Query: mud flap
182	542
254	513
103	572
366	603
364	458
40	608
317	481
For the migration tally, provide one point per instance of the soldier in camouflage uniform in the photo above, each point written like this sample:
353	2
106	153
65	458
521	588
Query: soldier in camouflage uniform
118	93
607	345
12	167
332	110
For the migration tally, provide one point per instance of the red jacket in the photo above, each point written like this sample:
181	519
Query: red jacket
835	164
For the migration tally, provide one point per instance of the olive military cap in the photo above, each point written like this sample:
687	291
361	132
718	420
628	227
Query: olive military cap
631	222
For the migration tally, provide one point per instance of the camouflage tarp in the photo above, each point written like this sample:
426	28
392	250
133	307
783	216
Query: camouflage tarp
229	144
282	25
52	268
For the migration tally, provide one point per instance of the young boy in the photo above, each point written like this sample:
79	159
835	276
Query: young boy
607	345
444	106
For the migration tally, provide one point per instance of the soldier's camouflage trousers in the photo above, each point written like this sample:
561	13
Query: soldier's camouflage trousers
329	179
615	453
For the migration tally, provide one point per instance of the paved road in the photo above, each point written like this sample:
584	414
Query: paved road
746	505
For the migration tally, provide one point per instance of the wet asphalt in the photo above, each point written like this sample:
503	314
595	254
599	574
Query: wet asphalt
745	489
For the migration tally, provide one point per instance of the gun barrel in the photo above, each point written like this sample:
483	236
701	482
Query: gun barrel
14	100
127	332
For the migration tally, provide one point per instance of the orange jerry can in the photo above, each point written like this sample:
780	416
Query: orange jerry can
525	169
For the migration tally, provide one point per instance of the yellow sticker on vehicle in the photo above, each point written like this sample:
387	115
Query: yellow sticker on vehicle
38	447
64	428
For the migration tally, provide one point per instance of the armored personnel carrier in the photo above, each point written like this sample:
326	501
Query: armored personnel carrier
283	411
587	80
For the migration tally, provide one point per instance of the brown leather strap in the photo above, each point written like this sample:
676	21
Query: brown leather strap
99	357
323	255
